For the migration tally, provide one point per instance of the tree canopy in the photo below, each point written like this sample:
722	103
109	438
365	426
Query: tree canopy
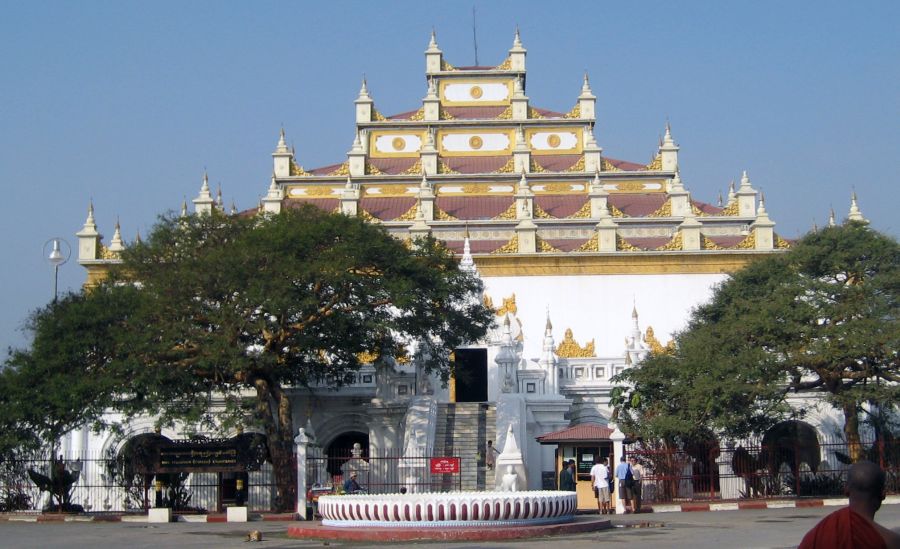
224	307
823	317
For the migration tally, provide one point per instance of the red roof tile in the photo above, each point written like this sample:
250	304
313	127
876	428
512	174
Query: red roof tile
471	208
474	112
726	241
560	206
566	244
626	165
403	115
637	205
387	209
548	113
324	170
586	432
556	162
475	246
475	164
325	204
647	242
706	208
393	166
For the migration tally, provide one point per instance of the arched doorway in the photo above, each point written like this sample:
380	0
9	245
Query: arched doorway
792	443
341	449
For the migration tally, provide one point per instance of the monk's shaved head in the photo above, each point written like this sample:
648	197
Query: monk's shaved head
866	480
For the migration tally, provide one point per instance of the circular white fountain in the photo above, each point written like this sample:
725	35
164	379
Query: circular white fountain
458	509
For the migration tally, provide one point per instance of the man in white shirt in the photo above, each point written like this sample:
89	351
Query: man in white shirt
600	482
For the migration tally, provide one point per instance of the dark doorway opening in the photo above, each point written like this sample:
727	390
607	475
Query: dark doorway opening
341	449
471	375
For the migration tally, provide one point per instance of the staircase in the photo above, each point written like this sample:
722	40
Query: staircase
462	430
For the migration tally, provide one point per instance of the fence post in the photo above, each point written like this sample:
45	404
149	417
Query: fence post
302	441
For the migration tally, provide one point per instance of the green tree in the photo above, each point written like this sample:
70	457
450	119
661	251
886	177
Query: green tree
232	304
823	317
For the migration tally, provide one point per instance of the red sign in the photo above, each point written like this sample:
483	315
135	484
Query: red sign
445	465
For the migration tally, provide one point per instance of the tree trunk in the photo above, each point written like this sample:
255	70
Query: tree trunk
851	431
275	408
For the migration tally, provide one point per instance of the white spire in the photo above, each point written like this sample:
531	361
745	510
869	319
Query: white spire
89	223
591	141
677	186
586	84
761	209
831	222
357	144
282	145
116	244
432	44
523	183
184	210
667	138
467	263
521	145
424	184
348	186
432	89
745	180
855	214
364	90
204	187
517	41
731	194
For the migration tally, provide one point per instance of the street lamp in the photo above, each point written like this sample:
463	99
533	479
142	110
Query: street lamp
59	254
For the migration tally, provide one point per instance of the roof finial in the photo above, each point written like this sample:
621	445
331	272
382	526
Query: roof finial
731	194
667	137
363	90
424	184
831	222
282	145
184	210
761	210
719	201
349	184
90	216
517	42
745	180
586	84
205	186
433	42
855	214
548	326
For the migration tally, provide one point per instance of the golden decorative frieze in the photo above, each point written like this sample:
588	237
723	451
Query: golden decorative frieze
697	211
663	211
574	113
732	209
748	243
559	188
655	165
418	115
445	66
541	214
569	348
509	167
488	302
606	166
509	213
676	244
622	245
505	65
543	246
409	215
509	306
441	215
510	247
629	186
656	347
577	166
415	169
320	192
377	116
505	115
616	212
343	169
443	168
583	213
534	114
535	167
444	115
707	244
297	169
372	169
592	245
781	244
366	216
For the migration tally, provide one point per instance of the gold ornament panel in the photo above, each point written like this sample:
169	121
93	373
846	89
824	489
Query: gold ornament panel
481	92
569	348
475	142
541	140
304	191
395	143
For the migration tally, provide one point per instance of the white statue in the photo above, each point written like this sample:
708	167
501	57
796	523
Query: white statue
510	479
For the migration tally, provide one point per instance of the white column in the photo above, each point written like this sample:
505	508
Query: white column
617	438
302	442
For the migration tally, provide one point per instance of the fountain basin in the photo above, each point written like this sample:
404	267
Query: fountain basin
448	509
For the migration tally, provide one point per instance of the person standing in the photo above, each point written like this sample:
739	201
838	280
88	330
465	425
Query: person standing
624	476
600	482
490	455
637	473
567	477
855	526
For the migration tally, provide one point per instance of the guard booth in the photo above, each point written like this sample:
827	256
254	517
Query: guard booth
587	444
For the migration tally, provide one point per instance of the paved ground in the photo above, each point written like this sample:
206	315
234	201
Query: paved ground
745	529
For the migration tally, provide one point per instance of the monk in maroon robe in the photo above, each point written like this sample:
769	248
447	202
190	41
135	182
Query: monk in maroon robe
854	526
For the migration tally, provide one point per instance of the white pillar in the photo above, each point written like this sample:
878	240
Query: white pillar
302	442
617	438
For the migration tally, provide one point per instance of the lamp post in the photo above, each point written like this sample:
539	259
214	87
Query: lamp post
58	255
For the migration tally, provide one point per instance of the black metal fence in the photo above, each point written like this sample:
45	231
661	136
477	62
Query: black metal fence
98	488
389	472
752	470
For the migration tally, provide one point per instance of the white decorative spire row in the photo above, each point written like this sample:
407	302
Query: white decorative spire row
855	214
587	100
433	56
272	202
203	204
549	360
517	54
116	244
746	196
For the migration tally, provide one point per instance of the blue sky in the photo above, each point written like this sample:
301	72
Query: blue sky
127	103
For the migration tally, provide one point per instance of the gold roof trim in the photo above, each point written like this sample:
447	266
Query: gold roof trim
509	213
372	169
415	169
444	168
574	113
445	66
409	215
655	165
781	244
663	211
377	116
676	244
731	209
343	169
535	167
505	65
509	306
509	167
697	211
444	115
655	346
297	169
616	212
569	348
623	245
748	243
606	166
592	245
505	115
541	214
441	215
418	115
544	246
366	216
319	191
534	114
510	247
707	244
577	166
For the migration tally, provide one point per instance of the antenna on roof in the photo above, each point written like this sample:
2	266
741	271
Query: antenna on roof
474	36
